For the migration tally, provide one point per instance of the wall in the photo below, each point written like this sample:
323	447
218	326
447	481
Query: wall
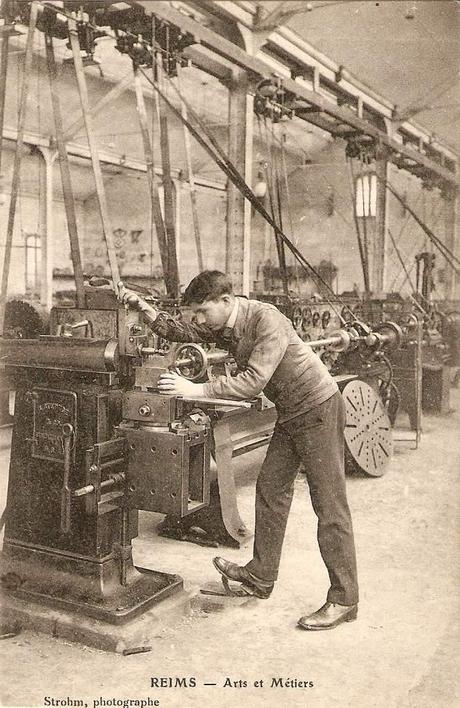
409	237
28	222
321	213
138	254
320	204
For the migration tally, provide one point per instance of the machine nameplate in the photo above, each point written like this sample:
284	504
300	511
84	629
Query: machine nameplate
52	410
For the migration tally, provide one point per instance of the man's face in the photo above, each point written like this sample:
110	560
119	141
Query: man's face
213	313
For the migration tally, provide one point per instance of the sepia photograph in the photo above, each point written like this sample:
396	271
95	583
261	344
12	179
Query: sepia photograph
229	353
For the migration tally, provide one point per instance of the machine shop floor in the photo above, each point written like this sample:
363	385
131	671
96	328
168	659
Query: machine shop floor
400	652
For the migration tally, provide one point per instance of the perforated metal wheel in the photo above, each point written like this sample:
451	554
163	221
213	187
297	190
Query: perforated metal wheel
368	434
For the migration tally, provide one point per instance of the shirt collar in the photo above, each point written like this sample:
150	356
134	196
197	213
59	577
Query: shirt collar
241	318
233	315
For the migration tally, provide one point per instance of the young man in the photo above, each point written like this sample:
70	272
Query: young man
309	429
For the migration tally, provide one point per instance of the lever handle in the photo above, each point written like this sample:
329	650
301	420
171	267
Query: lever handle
66	494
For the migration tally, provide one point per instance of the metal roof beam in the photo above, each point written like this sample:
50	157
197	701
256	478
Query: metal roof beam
287	40
108	158
259	69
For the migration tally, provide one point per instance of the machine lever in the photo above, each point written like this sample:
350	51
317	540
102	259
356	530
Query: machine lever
66	494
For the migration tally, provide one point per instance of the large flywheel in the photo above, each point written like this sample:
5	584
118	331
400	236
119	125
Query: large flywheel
368	434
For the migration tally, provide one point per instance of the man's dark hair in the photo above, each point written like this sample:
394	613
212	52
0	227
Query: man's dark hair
207	285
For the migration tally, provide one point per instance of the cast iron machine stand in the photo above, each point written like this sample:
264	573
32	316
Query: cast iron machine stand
85	456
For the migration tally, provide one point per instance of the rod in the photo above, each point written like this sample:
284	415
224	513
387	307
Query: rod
191	178
67	191
22	110
217	401
155	202
317	343
173	267
3	76
450	257
103	209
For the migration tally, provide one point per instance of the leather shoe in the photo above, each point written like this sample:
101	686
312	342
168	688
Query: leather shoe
250	584
328	616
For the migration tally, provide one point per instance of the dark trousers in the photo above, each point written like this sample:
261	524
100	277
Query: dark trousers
316	439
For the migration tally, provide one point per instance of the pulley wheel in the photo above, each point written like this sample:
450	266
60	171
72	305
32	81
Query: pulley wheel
191	361
306	318
325	318
297	317
368	434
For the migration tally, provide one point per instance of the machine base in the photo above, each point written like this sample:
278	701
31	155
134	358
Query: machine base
130	601
214	530
133	636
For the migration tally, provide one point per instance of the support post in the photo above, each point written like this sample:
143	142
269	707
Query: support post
240	134
22	109
381	223
452	291
46	229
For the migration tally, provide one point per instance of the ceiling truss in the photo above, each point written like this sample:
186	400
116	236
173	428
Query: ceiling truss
318	93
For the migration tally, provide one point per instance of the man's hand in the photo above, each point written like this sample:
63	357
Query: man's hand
175	385
132	299
128	297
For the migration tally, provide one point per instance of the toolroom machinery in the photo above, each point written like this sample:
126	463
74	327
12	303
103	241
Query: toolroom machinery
94	442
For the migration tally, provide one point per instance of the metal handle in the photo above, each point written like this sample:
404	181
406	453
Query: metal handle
66	494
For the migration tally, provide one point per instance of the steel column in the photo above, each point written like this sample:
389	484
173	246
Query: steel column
240	134
222	47
381	223
452	287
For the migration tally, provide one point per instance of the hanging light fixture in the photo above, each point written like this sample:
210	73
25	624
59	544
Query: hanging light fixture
260	187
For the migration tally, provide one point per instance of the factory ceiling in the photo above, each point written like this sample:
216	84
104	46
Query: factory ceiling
418	76
409	52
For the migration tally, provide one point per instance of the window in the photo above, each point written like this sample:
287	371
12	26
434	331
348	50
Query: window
366	195
32	261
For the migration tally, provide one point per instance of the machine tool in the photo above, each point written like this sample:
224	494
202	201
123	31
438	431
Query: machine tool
81	461
94	441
